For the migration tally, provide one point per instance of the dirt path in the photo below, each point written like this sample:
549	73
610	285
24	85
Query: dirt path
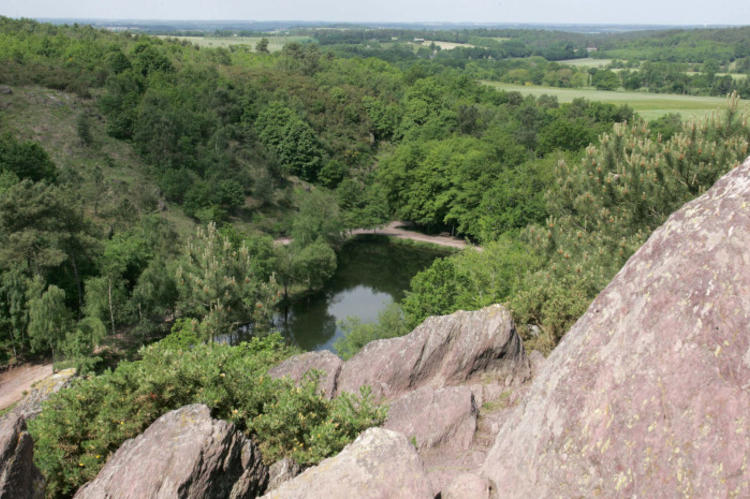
14	381
400	230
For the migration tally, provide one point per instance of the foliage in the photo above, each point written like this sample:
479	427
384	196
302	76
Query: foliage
601	209
49	320
81	427
390	324
27	160
291	139
217	283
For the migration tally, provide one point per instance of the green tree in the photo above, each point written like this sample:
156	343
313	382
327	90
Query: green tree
14	312
27	160
262	46
318	217
291	139
217	284
313	264
83	127
41	228
49	319
605	80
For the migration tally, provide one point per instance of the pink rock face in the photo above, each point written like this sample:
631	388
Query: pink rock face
649	393
19	477
442	351
295	368
467	485
183	454
379	464
445	418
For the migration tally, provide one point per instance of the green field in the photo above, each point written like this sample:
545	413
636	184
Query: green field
275	43
586	62
650	106
735	76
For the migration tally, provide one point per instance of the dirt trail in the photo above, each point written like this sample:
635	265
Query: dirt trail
14	381
399	230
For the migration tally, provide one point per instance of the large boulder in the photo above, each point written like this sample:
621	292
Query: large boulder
379	463
467	485
19	478
186	454
297	368
445	418
649	392
442	351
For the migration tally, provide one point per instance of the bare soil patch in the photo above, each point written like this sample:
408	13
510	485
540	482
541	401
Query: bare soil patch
17	380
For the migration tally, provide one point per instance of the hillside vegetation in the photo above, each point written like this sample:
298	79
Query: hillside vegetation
143	180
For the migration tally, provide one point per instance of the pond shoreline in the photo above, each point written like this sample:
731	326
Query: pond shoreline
400	230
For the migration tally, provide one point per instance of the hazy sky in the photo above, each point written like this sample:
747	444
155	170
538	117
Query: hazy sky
486	11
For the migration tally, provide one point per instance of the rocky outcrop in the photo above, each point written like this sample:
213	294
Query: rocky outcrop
378	464
31	405
445	418
19	478
297	367
649	393
282	471
467	485
434	379
442	351
186	454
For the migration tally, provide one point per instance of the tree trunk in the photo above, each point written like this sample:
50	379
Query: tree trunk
111	308
79	288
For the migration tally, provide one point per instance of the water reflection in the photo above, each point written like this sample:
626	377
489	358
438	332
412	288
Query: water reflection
371	274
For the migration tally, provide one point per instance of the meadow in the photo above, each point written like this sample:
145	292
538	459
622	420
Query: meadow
649	106
275	43
586	62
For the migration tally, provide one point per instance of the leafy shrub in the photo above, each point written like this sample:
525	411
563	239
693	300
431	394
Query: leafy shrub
81	427
390	324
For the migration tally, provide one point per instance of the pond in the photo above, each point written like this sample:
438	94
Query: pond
372	273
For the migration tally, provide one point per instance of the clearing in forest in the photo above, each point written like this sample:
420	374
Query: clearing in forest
649	105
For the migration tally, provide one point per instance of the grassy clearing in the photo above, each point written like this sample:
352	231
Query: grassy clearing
649	106
275	43
735	76
586	62
49	117
448	45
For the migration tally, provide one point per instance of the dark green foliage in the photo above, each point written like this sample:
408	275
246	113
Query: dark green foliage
605	80
291	139
434	291
262	46
665	126
83	127
27	160
219	284
81	427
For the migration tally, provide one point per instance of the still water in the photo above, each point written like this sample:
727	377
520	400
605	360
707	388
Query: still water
372	273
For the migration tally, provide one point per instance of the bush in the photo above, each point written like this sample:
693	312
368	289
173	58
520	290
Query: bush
81	427
390	324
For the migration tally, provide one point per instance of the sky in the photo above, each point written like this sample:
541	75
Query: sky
674	12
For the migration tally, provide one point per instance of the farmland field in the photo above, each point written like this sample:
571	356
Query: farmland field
650	106
448	45
586	62
735	76
275	43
